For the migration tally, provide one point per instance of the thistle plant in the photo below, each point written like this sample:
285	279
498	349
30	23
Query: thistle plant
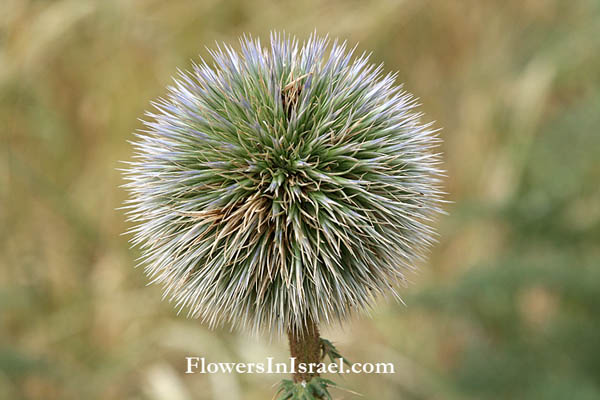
280	188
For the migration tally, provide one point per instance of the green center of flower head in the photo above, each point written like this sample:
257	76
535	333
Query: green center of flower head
281	184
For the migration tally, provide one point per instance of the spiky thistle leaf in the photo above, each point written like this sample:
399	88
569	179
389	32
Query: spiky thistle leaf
315	389
282	184
330	351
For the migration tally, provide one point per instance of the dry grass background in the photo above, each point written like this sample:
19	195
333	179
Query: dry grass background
506	307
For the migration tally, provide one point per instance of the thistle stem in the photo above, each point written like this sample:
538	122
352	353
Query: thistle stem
305	346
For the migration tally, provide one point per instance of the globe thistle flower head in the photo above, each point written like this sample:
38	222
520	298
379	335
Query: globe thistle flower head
282	184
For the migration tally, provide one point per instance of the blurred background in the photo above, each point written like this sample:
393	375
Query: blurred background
507	306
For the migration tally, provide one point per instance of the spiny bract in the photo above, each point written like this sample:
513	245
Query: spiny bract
282	184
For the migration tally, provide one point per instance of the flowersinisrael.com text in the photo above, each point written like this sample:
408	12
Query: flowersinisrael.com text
200	365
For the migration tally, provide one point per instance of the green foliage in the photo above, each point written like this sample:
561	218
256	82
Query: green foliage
329	350
315	389
532	313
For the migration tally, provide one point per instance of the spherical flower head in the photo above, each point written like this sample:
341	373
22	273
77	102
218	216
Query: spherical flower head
281	185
